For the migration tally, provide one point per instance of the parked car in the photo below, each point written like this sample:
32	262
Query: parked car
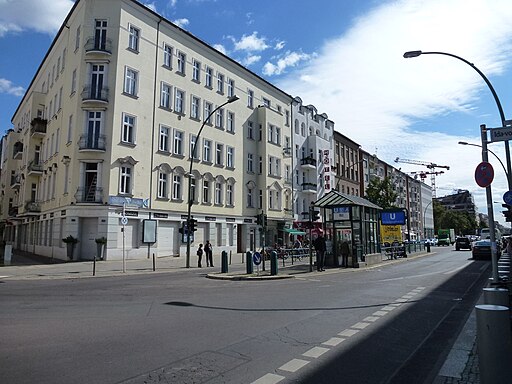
462	243
482	250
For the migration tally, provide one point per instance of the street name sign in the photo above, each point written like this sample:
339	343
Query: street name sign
501	134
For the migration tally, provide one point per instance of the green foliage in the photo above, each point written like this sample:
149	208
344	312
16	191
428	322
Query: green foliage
381	192
463	222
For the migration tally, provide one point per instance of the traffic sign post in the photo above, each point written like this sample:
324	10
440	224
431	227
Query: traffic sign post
484	174
256	259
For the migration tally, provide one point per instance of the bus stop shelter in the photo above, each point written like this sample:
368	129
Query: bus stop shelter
352	219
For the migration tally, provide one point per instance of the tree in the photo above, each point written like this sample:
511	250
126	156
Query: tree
462	222
381	193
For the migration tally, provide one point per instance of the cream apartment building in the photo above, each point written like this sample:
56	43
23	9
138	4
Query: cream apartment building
102	141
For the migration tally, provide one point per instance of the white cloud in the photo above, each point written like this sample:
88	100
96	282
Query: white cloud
220	48
182	23
279	45
6	86
290	59
373	94
251	43
250	60
37	15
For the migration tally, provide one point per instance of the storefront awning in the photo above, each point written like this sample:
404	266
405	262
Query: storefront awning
337	199
292	231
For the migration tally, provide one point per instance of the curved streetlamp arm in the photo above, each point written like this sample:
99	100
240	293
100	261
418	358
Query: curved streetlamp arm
488	150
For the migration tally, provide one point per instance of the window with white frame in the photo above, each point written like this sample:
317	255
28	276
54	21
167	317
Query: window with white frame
178	142
277	135
77	38
176	187
179	101
162	185
230	157
196	70
250	163
193	189
208	108
219	118
231	87
260	199
70	128
208	71
193	139
163	140
266	102
130	81
182	59
271	199
287	173
128	129
165	95
218	193
133	40
195	103
270	164
229	195
167	56
230	127
270	133
250	197
220	82
73	82
206	191
207	150
250	98
250	130
125	180
277	168
260	165
219	154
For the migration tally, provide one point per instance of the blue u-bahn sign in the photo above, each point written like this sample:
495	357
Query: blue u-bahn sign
392	218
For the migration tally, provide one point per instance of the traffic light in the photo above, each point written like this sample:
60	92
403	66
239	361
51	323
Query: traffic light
315	215
507	213
192	225
264	220
259	219
182	228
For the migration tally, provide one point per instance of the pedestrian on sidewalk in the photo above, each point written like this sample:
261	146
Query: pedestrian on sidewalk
320	248
345	251
209	253
199	255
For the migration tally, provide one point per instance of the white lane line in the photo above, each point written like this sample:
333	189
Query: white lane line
348	332
333	341
379	313
401	301
269	378
371	319
360	325
1	277
388	308
315	352
293	365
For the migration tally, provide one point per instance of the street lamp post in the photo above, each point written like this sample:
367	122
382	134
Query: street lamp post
504	122
488	150
192	157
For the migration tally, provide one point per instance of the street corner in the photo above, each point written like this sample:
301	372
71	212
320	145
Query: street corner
247	277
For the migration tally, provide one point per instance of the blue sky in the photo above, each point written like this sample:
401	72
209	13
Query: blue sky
344	57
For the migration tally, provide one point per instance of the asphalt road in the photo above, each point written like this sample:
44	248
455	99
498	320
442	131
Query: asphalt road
390	324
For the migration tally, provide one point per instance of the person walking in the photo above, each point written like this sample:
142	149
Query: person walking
209	253
345	251
320	248
199	255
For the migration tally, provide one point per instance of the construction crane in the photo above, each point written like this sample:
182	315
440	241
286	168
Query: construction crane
431	166
423	175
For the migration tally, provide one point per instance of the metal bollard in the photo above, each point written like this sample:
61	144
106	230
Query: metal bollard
496	296
494	343
273	263
224	262
428	247
248	262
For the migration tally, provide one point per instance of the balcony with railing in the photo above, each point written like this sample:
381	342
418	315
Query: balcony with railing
33	207
35	168
38	127
15	181
99	46
95	94
287	152
93	143
308	163
17	151
309	187
89	194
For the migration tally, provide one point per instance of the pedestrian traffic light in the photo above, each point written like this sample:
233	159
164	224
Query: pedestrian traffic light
315	215
507	213
192	225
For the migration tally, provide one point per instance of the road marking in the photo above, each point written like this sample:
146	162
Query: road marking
315	352
360	325
333	341
388	308
269	378
400	301
1	277
348	332
379	313
371	319
293	365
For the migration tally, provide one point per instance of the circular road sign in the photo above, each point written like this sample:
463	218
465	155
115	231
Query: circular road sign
484	174
124	220
256	258
507	197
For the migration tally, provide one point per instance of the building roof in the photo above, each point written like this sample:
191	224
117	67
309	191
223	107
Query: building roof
337	199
